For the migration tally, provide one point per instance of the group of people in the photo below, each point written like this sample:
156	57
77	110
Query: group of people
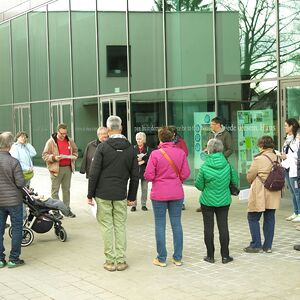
111	161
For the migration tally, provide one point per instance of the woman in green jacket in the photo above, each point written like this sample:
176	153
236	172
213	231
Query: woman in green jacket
213	180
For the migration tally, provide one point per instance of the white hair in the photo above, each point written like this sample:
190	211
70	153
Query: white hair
142	135
114	123
214	145
6	140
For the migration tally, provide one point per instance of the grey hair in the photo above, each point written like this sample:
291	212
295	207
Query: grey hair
142	135
114	123
6	140
214	145
101	128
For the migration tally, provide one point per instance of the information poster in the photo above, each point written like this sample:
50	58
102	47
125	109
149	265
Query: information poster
202	129
251	125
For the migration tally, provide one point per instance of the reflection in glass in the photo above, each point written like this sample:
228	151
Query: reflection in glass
189	46
191	111
256	38
289	34
247	120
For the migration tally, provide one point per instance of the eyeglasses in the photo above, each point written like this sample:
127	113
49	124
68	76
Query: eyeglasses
63	133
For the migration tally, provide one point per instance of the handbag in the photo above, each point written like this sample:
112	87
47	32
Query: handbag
28	175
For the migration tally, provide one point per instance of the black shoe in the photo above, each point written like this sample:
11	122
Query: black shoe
297	247
227	259
199	209
144	208
133	208
253	250
15	263
183	207
57	215
209	259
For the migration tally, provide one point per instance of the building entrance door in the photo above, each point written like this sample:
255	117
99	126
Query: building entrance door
117	106
62	112
22	119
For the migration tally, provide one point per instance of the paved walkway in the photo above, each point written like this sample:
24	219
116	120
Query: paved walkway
73	270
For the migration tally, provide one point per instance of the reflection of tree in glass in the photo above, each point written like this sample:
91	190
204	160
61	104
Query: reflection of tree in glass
184	5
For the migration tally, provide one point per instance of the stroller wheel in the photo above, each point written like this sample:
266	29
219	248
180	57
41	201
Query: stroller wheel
27	238
61	234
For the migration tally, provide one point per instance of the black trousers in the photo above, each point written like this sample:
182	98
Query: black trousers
222	222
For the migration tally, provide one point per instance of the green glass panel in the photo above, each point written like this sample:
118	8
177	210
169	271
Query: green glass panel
84	53
112	32
5	65
20	59
59	54
6	119
38	55
40	134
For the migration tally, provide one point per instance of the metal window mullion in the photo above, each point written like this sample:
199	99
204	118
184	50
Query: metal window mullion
165	62
71	52
48	52
11	76
99	115
28	58
215	56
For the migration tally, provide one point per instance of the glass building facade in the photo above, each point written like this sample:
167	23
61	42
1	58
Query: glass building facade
153	63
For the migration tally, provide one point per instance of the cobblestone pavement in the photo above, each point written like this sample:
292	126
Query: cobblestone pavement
73	269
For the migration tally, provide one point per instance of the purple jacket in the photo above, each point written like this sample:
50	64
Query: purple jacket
166	185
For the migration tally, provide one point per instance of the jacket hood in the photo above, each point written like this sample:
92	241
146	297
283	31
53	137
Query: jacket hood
216	160
118	143
219	132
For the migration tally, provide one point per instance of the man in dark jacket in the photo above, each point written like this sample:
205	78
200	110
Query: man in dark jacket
114	163
12	180
297	247
90	150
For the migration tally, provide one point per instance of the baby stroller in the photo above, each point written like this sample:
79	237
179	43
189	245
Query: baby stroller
39	219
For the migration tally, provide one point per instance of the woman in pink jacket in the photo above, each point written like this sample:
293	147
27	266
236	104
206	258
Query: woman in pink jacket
167	168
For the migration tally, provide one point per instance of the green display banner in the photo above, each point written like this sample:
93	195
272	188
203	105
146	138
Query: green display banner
202	129
251	125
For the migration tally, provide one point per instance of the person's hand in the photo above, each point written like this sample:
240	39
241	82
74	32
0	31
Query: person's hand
141	162
90	201
130	202
57	157
283	156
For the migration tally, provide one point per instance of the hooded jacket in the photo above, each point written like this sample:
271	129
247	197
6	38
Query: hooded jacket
113	164
166	185
225	137
213	180
51	150
12	180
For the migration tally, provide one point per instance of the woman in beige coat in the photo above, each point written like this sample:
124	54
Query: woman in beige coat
262	201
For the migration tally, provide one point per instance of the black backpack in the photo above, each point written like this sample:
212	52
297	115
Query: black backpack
276	178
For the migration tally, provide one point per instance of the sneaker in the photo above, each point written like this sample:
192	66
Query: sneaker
292	217
297	219
6	225
109	266
252	250
183	207
71	215
2	263
298	227
133	208
144	208
156	262
177	263
122	266
16	263
199	209
57	215
267	250
209	259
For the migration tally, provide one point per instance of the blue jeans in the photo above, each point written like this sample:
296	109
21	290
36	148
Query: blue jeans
160	210
295	191
16	218
268	228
